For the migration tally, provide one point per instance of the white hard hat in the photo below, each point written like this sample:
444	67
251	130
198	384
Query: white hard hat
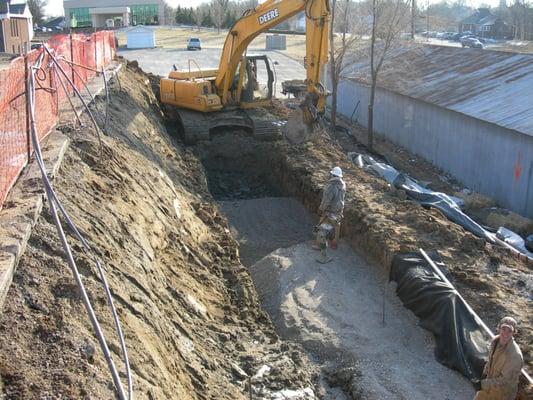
337	171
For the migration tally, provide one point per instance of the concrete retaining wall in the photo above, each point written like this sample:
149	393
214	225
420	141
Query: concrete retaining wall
487	158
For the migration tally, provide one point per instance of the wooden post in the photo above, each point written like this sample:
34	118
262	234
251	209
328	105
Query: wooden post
72	59
104	45
93	37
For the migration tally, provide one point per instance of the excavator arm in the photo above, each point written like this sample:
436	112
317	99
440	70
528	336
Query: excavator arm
204	98
265	16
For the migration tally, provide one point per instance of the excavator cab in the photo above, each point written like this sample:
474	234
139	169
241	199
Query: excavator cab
256	81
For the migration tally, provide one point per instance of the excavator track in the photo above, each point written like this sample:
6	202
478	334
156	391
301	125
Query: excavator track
198	126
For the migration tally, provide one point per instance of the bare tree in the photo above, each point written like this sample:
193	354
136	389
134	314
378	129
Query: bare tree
219	8
168	15
389	18
37	10
413	18
338	51
198	15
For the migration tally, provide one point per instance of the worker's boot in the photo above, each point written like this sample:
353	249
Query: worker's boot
333	244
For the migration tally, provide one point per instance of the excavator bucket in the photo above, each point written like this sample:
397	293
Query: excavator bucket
304	123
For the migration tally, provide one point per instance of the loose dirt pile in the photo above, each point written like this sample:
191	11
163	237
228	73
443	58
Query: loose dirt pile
190	314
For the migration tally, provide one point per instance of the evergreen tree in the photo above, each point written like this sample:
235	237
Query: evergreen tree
229	19
208	19
190	16
179	15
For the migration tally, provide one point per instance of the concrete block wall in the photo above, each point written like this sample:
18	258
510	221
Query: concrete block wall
485	157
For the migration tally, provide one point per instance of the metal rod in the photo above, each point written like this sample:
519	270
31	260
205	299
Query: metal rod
383	304
67	96
27	92
477	317
78	65
66	247
76	91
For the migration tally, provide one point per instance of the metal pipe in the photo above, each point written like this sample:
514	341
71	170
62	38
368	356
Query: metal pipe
68	97
106	87
78	94
54	202
477	317
78	65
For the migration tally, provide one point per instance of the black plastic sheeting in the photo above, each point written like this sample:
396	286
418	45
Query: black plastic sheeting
461	342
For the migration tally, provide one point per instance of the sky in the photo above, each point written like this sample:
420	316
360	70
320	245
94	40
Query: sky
55	7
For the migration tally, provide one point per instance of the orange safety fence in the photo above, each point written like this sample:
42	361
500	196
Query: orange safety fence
93	51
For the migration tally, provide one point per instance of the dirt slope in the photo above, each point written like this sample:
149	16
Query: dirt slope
188	307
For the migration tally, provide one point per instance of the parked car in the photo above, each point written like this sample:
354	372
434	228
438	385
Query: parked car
449	35
456	37
471	42
194	44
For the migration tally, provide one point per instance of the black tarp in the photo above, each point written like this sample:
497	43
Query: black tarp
461	343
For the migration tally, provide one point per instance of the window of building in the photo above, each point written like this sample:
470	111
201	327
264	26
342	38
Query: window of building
14	27
83	18
145	14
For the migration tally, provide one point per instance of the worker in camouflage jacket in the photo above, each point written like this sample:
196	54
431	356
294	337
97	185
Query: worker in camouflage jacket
502	370
332	204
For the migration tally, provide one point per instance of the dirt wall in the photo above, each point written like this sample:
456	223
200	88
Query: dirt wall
190	314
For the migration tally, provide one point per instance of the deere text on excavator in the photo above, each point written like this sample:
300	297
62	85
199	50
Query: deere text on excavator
210	99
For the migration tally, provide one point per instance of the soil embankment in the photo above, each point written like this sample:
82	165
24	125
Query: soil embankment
189	311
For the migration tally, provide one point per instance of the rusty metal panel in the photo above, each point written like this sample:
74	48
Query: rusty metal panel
493	86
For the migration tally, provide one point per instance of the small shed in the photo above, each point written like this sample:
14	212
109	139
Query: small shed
140	37
276	42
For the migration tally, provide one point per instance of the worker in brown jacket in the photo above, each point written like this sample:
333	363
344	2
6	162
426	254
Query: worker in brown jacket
502	370
332	205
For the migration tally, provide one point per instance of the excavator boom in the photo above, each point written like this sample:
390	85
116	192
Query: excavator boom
265	16
234	83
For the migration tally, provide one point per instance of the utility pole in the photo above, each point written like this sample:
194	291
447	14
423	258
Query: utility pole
413	16
427	20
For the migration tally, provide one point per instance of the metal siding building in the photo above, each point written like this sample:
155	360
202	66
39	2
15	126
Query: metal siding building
472	119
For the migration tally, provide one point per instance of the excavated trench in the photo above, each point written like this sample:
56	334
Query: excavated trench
189	309
344	313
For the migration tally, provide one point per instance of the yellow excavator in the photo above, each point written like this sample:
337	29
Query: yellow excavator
207	100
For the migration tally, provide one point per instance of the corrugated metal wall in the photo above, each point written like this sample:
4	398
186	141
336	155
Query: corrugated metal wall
487	158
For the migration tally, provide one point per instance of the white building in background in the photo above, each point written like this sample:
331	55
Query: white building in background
103	13
140	37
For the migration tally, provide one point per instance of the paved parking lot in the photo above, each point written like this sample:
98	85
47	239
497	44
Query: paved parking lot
159	61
